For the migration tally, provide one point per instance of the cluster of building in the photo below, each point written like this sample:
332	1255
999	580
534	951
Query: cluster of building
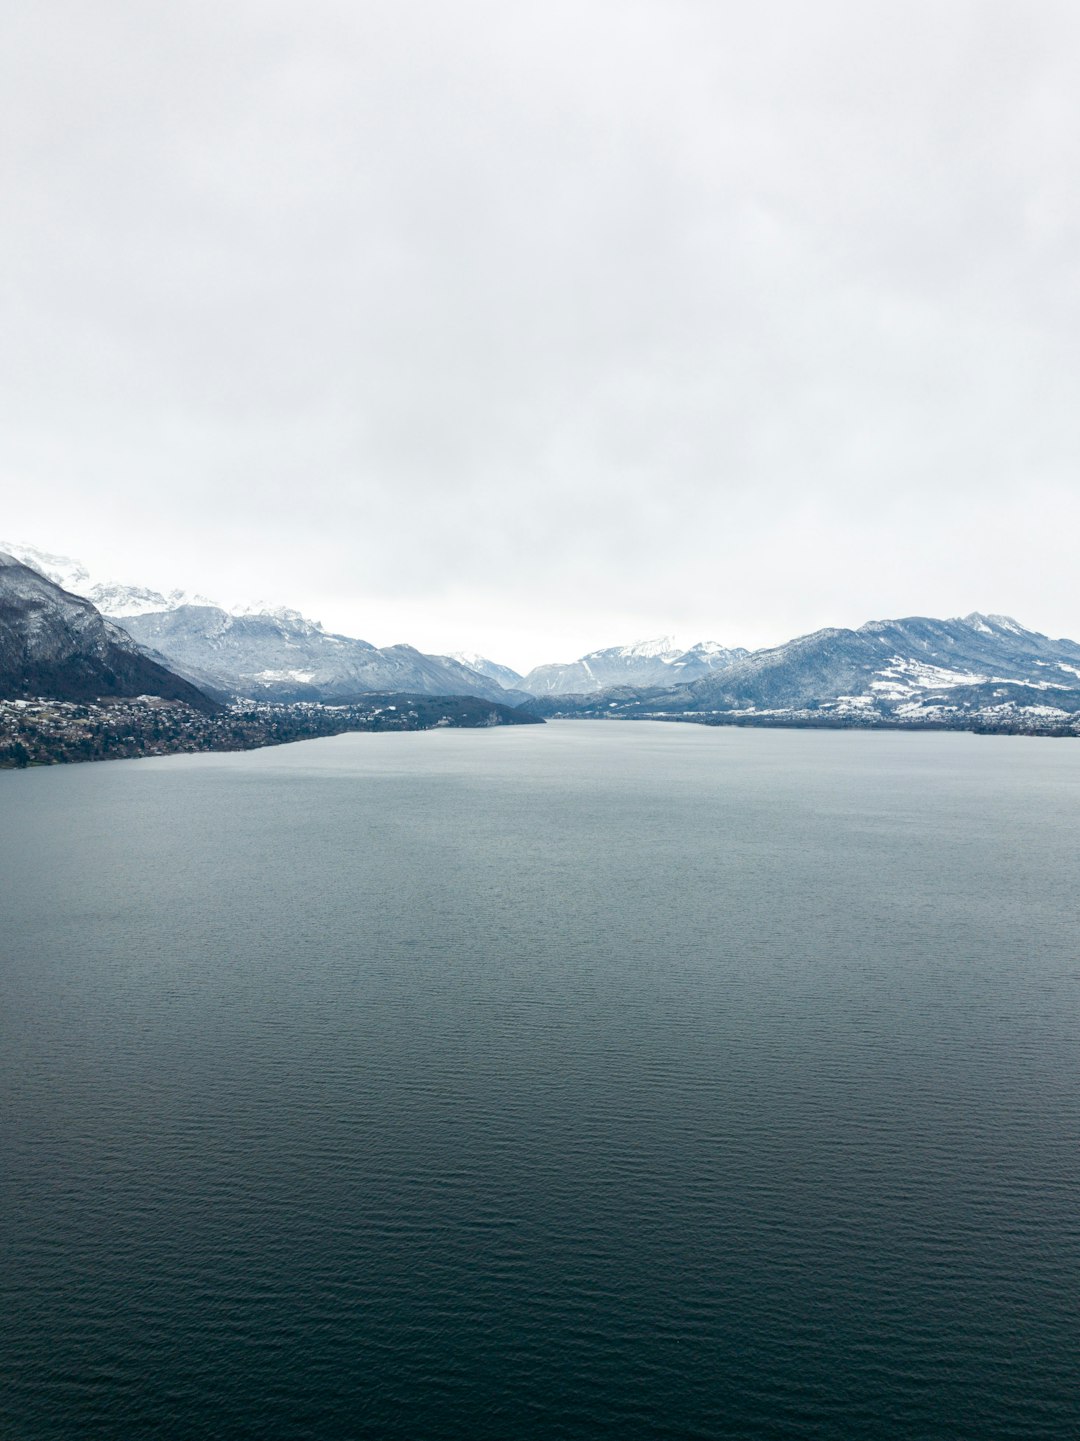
48	732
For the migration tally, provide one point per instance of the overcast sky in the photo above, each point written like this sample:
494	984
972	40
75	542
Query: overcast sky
533	327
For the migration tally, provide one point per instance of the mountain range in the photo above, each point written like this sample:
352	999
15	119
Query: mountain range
987	668
54	643
645	663
281	656
980	669
263	653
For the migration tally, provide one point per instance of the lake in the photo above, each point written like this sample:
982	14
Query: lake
586	1080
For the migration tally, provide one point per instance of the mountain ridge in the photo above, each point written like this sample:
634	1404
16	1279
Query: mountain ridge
642	663
916	669
282	656
55	643
983	666
260	651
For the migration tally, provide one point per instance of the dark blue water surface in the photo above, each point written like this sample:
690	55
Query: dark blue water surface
591	1080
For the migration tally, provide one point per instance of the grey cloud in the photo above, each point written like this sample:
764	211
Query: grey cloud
489	321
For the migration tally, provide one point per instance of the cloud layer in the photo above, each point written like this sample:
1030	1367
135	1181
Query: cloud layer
533	328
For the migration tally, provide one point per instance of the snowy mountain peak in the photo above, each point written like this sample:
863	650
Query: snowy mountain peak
125	601
662	648
283	613
55	643
110	596
994	624
914	669
712	648
664	661
504	674
71	575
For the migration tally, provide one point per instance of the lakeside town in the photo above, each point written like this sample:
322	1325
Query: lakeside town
49	732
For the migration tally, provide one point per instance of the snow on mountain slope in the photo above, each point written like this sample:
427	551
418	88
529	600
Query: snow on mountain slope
506	677
644	663
267	651
890	661
109	596
283	656
62	570
916	668
57	644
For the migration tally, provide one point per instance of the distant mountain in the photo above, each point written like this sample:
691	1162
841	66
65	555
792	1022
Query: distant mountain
281	656
268	652
58	645
915	669
644	664
898	665
507	678
110	597
69	574
975	668
122	601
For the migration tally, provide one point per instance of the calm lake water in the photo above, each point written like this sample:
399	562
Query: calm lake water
591	1080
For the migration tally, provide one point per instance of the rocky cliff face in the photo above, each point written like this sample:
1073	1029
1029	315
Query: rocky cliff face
56	644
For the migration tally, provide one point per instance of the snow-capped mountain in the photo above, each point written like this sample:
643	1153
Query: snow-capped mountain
264	651
280	655
509	679
55	643
62	570
645	663
121	601
899	664
916	669
110	596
